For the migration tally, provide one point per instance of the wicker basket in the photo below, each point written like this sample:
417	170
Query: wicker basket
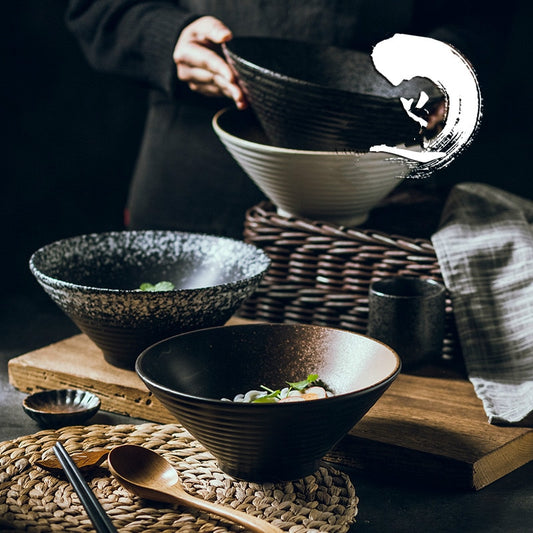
321	273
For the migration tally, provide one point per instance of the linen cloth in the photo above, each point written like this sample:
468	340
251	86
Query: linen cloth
484	245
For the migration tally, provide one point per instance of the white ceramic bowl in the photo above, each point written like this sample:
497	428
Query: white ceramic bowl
336	187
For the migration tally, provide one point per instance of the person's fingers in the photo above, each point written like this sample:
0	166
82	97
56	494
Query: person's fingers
231	90
207	89
435	120
205	83
209	29
200	66
200	57
195	74
240	101
437	115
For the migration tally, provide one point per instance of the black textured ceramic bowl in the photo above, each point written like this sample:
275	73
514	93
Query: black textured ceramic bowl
192	372
316	97
61	407
96	278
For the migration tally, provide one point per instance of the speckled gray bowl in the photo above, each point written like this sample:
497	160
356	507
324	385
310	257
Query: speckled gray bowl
95	280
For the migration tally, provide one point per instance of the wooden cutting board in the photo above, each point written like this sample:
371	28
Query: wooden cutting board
433	429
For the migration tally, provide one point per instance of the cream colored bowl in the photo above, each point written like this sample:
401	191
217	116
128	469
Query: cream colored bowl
336	187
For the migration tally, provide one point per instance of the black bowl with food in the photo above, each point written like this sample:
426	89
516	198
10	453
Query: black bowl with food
198	376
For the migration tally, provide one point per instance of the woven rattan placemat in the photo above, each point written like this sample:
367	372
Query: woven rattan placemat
33	500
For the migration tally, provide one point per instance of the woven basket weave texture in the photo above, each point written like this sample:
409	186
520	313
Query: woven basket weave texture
321	273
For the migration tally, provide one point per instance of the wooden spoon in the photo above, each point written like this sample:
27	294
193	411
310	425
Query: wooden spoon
149	475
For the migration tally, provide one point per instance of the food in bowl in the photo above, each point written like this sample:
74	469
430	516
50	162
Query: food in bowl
191	373
159	286
299	391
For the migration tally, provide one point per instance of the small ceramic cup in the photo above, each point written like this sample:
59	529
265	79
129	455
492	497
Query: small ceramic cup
408	314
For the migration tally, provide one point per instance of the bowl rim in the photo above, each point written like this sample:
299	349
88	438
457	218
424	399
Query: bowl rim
267	148
226	47
437	287
385	381
56	282
278	76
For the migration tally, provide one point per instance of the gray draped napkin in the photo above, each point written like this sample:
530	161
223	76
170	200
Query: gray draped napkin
484	246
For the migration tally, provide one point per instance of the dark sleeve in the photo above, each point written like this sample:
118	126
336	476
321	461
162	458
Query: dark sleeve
132	38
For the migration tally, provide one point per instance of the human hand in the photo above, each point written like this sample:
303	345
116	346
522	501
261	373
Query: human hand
200	66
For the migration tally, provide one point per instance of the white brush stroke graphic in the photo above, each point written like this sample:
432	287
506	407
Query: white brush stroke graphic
453	74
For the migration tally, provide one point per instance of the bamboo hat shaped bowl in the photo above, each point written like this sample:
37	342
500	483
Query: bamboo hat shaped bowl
309	96
329	136
191	373
340	188
96	278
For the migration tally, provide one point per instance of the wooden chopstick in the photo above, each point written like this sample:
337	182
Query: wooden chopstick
98	516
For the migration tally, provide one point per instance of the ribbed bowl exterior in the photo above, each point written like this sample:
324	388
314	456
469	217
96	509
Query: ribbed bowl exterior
267	442
303	122
334	187
258	443
311	97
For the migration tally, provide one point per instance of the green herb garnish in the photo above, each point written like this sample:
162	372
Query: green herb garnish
274	395
160	286
271	397
301	385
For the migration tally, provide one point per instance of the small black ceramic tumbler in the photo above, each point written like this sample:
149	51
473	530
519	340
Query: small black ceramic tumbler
408	314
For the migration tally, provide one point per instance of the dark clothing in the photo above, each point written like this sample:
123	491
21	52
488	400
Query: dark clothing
184	178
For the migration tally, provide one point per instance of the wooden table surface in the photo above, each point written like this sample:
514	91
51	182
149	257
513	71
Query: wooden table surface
424	427
388	503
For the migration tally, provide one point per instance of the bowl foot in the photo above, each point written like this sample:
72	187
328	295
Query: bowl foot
351	221
277	470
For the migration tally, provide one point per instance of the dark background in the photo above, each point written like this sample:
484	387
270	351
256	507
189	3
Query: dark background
71	135
72	141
